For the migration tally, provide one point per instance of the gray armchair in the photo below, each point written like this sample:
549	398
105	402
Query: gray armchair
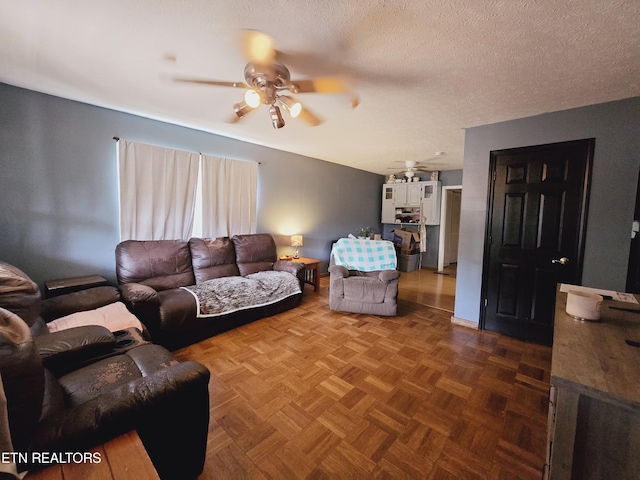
371	292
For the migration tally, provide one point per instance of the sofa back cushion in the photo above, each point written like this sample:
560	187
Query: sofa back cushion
160	264
254	253
213	258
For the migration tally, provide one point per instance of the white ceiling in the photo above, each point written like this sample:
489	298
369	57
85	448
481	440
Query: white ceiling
425	69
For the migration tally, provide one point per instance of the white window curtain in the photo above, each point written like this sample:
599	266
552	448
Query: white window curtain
157	191
229	197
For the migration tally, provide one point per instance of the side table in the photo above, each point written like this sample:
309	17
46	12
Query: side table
53	288
312	271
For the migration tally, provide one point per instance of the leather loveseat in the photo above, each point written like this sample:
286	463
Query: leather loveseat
151	273
70	390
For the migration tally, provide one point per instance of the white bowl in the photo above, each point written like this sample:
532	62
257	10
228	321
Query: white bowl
583	305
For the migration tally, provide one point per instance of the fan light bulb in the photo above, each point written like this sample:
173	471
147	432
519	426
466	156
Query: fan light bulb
292	106
252	98
295	109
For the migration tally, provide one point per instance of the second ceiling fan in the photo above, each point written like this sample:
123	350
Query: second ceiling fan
268	82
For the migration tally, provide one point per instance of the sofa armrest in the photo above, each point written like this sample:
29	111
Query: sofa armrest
68	349
80	301
339	271
170	410
388	275
294	268
136	293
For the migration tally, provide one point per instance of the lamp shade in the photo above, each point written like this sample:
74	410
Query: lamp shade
296	240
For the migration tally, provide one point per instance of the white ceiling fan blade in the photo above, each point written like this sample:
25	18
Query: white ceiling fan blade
215	83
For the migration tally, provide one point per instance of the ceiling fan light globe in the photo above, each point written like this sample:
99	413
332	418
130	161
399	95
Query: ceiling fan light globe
252	98
295	109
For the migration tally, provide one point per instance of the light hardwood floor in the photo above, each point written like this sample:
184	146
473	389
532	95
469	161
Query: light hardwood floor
429	287
312	393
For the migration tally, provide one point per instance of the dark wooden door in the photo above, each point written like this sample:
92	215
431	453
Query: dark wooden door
633	272
535	235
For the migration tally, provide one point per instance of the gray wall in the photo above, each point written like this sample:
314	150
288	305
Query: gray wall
616	128
59	191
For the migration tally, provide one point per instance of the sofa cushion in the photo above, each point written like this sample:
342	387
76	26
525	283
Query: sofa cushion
160	264
114	317
83	300
110	373
213	258
364	289
255	253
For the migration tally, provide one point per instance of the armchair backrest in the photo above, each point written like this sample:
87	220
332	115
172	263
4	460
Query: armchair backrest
364	255
255	253
19	294
160	264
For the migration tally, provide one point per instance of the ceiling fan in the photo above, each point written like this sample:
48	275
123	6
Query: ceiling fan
411	166
268	82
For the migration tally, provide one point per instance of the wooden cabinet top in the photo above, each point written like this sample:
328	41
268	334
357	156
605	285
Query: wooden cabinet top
594	357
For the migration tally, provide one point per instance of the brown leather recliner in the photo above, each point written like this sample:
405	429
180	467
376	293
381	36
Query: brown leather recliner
152	272
71	390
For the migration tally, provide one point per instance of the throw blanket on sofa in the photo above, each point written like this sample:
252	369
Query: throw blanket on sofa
364	255
220	296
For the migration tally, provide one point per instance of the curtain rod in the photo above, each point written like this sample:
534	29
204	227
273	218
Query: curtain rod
259	163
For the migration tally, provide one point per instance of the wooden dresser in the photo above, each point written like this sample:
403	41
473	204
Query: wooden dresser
594	411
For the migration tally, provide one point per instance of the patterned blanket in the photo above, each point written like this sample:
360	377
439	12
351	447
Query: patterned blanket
364	255
220	296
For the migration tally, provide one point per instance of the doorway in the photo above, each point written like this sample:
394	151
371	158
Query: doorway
449	226
435	288
536	224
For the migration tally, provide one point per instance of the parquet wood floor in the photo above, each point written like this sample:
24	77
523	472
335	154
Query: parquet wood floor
312	393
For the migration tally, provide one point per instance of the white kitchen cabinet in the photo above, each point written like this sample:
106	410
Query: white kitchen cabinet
401	199
431	198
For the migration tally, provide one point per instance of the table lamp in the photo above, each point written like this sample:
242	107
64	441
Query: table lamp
296	241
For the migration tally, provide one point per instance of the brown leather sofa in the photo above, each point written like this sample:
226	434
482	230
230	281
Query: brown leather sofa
151	272
71	390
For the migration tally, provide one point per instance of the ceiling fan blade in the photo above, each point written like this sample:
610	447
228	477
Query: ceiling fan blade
307	116
234	118
214	83
258	47
322	85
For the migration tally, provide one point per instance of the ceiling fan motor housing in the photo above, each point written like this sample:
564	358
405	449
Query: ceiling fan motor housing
268	79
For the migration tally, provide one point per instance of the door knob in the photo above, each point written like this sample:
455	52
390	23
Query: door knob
561	261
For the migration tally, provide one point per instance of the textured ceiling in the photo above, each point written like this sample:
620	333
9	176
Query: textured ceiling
425	69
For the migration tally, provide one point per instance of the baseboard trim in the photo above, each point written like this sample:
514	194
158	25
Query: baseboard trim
464	323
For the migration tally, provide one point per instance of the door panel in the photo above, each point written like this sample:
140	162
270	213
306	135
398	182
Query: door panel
537	213
633	271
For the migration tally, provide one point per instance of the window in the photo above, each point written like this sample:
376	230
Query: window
160	189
